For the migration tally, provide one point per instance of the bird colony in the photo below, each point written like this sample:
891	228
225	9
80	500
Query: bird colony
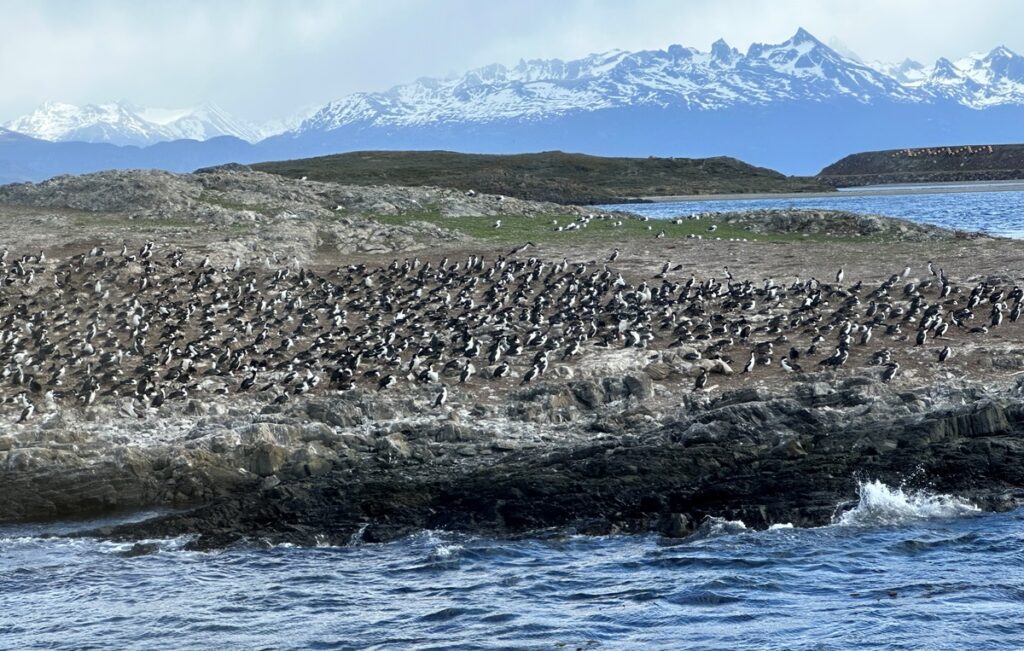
153	328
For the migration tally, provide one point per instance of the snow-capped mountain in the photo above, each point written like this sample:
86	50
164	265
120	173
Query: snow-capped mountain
282	125
795	106
978	81
801	68
121	123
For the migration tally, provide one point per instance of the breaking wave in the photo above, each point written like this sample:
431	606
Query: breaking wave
883	505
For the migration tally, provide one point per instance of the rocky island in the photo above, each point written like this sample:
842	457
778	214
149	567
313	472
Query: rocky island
285	360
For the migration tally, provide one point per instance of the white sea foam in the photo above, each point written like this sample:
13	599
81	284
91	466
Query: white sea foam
713	526
441	546
880	504
357	536
443	552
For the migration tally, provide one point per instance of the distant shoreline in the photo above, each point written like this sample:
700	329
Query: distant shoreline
865	191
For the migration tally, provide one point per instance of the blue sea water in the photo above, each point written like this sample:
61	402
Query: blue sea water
899	570
996	212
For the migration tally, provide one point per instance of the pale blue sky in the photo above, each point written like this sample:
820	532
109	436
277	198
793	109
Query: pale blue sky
262	59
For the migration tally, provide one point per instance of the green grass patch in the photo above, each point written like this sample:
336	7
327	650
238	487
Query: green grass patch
547	176
520	229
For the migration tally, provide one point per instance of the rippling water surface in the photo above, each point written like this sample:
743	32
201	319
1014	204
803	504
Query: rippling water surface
909	571
998	213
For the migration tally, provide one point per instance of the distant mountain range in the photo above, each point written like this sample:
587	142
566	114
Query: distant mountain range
122	123
794	106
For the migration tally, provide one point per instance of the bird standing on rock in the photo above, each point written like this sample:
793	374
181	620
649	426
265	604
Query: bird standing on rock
503	370
441	398
890	372
750	364
702	380
531	375
27	412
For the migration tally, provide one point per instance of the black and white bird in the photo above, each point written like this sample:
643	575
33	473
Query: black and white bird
945	353
503	370
751	363
890	371
702	380
531	374
442	397
27	412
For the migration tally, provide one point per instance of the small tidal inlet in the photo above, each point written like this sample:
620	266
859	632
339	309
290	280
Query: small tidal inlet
902	569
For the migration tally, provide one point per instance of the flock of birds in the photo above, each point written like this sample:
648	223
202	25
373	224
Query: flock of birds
151	327
583	221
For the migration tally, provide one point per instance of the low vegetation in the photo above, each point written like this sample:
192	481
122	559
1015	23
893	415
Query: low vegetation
550	176
552	228
928	165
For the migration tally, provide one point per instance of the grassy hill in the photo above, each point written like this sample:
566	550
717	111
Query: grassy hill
928	164
548	176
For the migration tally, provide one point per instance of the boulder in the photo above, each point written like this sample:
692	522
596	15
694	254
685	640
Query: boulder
638	386
266	459
676	525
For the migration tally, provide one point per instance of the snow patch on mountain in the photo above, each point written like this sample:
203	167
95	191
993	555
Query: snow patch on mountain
122	123
978	80
800	69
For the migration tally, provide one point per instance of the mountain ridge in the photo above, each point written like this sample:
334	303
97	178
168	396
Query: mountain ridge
798	69
123	123
794	106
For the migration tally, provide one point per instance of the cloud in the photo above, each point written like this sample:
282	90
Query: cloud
264	58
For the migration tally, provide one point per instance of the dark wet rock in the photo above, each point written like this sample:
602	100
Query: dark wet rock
140	549
676	525
749	455
981	419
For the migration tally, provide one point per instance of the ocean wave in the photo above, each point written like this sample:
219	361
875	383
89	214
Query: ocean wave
712	527
880	504
445	552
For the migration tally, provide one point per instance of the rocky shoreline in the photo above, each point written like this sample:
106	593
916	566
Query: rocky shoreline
746	455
